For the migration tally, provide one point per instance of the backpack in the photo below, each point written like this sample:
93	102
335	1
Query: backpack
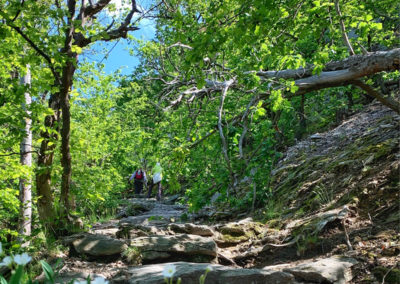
139	175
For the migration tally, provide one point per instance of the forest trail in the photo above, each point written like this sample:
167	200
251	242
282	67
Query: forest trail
157	230
329	229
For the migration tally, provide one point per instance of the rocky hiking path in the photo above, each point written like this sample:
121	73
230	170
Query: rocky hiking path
338	221
150	235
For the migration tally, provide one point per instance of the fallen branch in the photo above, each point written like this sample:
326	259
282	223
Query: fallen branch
387	101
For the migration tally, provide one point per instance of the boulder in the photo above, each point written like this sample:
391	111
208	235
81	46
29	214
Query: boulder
336	269
191	272
95	246
200	230
178	247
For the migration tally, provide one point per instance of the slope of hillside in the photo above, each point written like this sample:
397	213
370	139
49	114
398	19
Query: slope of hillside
354	169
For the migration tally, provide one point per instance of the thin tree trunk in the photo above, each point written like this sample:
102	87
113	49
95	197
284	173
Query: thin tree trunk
221	134
65	141
303	122
25	186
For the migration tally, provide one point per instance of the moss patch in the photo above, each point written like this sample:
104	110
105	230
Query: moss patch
390	275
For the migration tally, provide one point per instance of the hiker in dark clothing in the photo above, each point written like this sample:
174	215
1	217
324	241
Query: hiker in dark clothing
139	180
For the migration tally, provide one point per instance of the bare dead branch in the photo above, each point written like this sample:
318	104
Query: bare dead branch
180	45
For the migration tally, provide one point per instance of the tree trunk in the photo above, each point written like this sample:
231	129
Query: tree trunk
45	161
66	81
303	123
65	139
25	186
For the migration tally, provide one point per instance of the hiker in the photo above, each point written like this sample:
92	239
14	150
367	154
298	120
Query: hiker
140	179
157	177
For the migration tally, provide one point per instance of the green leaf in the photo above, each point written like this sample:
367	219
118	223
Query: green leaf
317	3
16	278
48	271
2	280
76	49
293	89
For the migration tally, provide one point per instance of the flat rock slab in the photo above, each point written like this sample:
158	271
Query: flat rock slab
134	231
191	272
107	232
160	215
178	247
336	269
188	228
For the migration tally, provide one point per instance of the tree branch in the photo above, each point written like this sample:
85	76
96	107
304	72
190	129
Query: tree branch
38	50
106	35
372	63
387	101
92	10
18	153
18	12
343	28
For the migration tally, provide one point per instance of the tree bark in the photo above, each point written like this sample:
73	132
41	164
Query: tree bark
25	186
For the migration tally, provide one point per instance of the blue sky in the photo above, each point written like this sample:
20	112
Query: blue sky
120	57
